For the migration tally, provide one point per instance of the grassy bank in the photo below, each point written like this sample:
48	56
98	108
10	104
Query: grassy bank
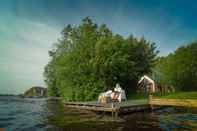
175	95
181	95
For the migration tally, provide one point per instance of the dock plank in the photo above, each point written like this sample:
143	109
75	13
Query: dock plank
123	107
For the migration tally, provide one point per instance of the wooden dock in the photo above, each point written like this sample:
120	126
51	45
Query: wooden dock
132	105
114	108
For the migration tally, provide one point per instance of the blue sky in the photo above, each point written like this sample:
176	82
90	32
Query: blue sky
28	29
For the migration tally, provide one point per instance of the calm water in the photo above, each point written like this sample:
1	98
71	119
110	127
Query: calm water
17	114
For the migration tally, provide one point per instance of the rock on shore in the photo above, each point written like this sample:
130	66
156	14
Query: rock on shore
36	92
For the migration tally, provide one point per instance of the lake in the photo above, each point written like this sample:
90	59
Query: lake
19	114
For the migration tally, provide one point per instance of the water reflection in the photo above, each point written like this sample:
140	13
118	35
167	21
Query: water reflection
60	118
142	121
168	119
18	114
178	119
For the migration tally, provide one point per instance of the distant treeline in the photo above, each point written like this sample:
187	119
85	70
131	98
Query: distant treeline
89	59
179	69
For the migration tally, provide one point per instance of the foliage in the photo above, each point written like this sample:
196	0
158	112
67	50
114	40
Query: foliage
179	69
89	59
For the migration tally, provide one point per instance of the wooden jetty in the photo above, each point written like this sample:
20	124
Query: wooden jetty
114	108
132	105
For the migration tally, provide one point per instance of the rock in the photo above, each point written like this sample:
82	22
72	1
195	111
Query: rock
36	92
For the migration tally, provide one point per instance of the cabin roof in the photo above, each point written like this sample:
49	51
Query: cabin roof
147	78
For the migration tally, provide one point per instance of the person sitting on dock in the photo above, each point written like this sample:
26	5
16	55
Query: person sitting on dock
117	95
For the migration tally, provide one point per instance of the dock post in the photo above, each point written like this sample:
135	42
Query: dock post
114	111
116	114
112	114
112	107
150	98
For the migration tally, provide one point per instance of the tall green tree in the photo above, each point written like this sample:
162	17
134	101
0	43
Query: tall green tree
89	59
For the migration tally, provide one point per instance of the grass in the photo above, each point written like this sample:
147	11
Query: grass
181	95
175	95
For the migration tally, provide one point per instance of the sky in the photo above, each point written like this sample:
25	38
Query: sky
29	28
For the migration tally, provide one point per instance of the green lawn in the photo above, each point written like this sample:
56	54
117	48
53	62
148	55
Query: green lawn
181	95
175	95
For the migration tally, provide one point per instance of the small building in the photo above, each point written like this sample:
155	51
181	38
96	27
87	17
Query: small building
151	83
147	84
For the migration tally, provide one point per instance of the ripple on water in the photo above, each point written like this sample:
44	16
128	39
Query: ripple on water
40	125
34	113
7	119
5	124
26	129
180	121
187	117
17	112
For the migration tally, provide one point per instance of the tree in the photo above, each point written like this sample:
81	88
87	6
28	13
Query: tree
179	69
89	59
